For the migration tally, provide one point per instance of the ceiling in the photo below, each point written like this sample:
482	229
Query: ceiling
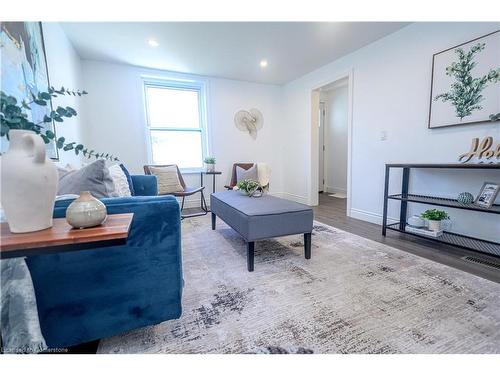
226	49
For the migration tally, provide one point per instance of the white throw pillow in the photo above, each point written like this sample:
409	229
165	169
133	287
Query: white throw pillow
119	180
168	179
247	174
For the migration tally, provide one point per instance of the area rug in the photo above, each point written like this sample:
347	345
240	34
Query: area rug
354	296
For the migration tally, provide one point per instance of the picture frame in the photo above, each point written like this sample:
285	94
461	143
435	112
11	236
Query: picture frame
457	71
24	70
487	194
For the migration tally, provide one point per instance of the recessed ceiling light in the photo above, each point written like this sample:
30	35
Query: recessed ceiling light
263	63
153	43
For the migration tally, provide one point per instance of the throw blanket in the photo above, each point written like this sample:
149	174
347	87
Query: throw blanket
19	326
264	173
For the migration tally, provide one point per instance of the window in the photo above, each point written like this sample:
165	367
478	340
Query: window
176	122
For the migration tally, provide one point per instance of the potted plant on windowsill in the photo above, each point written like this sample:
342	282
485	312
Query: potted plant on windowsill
210	163
29	178
435	217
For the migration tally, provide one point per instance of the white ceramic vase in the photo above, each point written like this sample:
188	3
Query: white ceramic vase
86	211
435	225
210	167
29	183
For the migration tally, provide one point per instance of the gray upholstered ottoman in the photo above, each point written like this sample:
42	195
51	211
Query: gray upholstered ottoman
260	218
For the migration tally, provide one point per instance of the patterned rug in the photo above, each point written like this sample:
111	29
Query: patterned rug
354	296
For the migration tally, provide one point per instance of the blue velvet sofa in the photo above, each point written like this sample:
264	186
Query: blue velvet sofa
91	294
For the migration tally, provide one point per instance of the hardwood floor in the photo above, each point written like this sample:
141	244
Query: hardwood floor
332	211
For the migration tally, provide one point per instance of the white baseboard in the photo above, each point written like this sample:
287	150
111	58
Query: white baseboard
331	189
370	216
289	196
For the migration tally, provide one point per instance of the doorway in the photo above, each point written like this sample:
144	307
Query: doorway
331	103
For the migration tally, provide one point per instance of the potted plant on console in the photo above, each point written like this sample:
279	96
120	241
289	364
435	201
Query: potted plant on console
435	217
29	178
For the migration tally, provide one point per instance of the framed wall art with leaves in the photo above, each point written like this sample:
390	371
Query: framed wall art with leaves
465	83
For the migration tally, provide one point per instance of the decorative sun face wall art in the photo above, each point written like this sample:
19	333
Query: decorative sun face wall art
465	85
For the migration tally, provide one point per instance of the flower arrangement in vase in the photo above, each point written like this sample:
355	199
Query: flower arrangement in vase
29	178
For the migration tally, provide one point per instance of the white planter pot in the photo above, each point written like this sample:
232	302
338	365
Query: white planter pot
435	225
29	183
210	167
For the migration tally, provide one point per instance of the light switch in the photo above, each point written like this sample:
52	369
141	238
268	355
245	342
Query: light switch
383	135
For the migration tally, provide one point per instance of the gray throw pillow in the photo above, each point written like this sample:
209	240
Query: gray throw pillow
249	174
94	178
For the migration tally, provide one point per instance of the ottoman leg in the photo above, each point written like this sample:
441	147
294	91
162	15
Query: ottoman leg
307	245
213	221
250	253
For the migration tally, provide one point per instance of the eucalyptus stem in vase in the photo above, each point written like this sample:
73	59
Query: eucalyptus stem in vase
29	180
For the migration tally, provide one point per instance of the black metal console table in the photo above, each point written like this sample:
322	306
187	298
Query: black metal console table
450	238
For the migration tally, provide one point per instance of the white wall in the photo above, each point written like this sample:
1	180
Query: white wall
65	69
336	105
116	121
391	87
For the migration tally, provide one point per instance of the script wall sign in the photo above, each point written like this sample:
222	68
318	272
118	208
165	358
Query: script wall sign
483	151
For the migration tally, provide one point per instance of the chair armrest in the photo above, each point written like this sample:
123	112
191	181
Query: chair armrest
144	185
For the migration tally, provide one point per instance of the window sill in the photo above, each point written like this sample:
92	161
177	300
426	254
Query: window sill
191	170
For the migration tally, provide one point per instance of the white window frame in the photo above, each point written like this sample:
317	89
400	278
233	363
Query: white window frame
178	84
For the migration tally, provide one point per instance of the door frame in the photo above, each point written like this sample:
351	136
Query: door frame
314	155
322	121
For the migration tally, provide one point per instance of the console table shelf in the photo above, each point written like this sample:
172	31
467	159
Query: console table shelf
449	238
456	239
445	202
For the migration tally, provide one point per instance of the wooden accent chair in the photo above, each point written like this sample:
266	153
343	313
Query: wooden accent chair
187	191
234	180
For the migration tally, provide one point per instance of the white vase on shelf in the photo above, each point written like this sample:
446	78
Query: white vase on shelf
29	183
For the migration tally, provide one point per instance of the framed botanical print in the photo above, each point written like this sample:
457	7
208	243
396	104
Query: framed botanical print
24	71
465	83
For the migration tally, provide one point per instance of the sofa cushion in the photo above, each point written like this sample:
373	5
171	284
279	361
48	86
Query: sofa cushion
119	180
168	179
94	178
129	179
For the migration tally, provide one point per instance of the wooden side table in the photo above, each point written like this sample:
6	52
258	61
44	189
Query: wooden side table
62	237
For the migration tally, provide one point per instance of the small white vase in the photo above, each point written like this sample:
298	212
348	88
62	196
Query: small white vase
29	183
210	167
86	211
435	225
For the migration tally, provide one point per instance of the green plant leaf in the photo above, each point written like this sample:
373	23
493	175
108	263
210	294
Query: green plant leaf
62	111
60	142
40	102
44	95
